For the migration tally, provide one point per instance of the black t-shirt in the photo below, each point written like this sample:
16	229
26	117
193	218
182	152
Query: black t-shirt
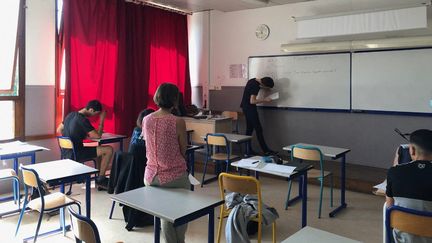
252	88
77	126
411	180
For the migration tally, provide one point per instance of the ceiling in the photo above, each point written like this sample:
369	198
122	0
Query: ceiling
236	5
222	5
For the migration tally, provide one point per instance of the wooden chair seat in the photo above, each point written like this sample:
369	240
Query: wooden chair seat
53	200
314	173
223	156
6	173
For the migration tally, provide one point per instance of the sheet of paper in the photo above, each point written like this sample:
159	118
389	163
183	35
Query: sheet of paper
382	186
279	168
249	162
193	180
274	96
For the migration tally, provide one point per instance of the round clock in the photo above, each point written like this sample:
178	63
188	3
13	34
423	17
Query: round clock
262	32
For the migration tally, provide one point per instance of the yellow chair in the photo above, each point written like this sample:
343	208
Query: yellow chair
214	142
65	144
408	220
234	117
243	185
83	228
42	204
313	154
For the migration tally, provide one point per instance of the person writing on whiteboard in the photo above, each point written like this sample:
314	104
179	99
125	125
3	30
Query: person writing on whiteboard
248	105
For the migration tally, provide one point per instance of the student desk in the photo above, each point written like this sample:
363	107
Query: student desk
189	135
201	127
334	154
60	172
297	173
309	234
110	138
237	138
178	206
14	151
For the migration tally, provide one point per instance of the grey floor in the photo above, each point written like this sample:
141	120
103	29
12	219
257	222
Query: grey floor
362	220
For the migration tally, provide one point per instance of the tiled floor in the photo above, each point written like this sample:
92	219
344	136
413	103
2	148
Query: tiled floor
362	220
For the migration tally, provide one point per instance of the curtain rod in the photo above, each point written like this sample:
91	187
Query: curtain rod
160	6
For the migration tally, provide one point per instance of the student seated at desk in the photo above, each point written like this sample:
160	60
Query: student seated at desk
77	126
165	139
409	185
137	143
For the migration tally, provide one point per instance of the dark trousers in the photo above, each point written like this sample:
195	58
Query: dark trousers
253	123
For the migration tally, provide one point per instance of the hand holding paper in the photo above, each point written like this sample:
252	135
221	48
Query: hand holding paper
274	96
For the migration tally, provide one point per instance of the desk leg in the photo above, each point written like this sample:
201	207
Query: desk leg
88	196
33	158
157	229
342	200
192	166
211	226
16	195
121	145
304	199
248	148
62	213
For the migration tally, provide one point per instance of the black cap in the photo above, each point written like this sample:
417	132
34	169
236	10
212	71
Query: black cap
423	139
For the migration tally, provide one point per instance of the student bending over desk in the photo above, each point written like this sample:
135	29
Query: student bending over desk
409	185
165	139
77	126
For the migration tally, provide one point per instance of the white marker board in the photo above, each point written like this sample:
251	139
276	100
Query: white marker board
397	81
320	81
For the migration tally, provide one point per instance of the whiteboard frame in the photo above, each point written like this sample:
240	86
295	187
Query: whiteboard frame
387	112
302	108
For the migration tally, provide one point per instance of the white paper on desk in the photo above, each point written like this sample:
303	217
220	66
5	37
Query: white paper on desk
274	96
279	168
193	180
382	186
248	162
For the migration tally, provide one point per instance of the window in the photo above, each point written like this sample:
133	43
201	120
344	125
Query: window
11	69
60	64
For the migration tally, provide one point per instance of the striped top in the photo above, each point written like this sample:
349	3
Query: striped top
164	157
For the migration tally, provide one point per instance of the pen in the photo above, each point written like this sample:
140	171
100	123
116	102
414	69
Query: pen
255	162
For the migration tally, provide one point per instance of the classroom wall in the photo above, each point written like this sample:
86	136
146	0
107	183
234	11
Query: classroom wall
232	41
40	67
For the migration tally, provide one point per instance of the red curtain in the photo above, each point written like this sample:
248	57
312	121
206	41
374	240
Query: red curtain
119	53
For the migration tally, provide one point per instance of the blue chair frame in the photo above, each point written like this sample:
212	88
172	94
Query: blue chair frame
73	158
88	221
321	178
16	192
209	154
389	230
42	210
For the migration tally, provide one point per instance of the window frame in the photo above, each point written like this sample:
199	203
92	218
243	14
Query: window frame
19	100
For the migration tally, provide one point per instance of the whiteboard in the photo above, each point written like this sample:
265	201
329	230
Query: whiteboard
306	81
398	81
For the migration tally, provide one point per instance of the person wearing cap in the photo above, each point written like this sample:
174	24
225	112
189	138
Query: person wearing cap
248	105
409	185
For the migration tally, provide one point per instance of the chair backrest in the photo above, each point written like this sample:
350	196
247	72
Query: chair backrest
30	177
65	142
409	221
240	184
216	139
231	114
83	228
304	152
